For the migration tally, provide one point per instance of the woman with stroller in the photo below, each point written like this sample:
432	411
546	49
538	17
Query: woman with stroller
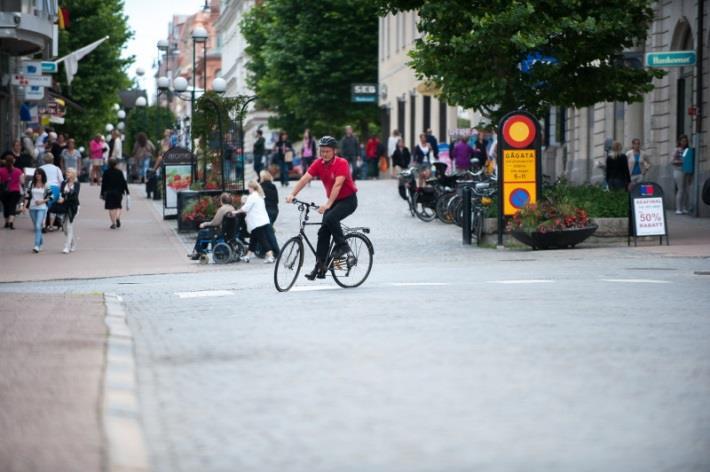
208	229
257	220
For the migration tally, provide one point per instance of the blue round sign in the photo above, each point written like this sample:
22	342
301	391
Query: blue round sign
519	197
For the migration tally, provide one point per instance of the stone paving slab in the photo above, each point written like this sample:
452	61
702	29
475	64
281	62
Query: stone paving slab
51	365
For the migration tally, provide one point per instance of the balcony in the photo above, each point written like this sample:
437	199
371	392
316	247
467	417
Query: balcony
26	26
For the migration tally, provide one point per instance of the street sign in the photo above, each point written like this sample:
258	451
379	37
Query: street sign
34	93
31	68
49	67
37	80
671	59
647	217
364	93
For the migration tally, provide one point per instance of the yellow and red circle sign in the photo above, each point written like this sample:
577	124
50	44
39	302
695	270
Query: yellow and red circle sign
519	131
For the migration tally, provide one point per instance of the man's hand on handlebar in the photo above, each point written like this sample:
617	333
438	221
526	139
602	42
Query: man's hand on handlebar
290	198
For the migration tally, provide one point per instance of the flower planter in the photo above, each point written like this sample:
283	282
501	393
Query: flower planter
554	239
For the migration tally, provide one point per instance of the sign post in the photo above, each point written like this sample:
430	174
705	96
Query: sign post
519	170
177	168
647	217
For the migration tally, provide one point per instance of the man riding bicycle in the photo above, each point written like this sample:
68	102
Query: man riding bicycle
340	189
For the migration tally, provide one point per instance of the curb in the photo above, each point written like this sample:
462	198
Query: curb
122	429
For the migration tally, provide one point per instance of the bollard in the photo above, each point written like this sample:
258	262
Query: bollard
467	194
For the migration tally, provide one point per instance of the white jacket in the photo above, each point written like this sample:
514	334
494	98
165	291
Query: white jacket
256	211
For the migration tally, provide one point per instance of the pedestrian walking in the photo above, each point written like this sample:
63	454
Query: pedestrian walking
59	144
308	150
22	158
28	144
638	162
271	201
54	180
69	198
71	157
38	196
372	155
682	162
113	187
401	157
11	180
350	150
422	151
617	168
142	155
283	157
257	220
433	143
462	154
391	148
259	150
96	153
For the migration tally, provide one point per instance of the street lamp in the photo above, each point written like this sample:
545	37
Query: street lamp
199	35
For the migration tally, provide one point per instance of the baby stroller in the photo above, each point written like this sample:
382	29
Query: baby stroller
226	245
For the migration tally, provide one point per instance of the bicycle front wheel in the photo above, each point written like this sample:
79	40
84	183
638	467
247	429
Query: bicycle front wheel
288	264
352	270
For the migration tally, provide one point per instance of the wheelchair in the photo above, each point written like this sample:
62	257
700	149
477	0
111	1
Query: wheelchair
226	245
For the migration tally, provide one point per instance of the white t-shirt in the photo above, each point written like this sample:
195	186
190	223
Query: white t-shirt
256	211
54	174
392	144
117	149
37	194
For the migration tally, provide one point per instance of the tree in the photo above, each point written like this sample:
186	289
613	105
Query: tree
102	73
305	55
476	52
152	121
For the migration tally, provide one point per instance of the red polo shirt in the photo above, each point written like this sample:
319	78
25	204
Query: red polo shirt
338	166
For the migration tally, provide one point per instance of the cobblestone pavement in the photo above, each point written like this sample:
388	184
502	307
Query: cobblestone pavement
51	362
447	358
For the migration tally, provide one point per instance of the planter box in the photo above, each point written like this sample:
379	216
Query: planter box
568	238
184	198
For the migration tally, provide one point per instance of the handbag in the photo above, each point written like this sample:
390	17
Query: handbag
288	156
383	165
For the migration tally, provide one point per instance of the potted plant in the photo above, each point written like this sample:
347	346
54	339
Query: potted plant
197	211
549	224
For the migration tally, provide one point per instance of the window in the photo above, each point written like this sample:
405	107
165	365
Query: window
412	121
442	122
427	111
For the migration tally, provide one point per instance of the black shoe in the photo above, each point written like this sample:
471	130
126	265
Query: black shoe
112	226
11	225
316	273
118	223
340	251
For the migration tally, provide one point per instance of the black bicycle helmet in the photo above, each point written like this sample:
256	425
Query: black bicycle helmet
328	141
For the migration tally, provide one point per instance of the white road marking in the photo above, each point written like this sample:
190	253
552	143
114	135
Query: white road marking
531	281
418	284
638	281
204	293
314	288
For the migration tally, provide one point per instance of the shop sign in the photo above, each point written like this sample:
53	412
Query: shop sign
671	59
647	217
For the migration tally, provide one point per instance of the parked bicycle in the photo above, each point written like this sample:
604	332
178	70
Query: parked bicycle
348	271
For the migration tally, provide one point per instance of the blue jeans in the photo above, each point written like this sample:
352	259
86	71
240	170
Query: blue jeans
37	221
145	164
283	172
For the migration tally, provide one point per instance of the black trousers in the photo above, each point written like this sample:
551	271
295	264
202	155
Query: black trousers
259	235
340	210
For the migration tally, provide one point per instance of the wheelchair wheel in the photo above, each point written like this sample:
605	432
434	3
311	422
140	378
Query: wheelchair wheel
221	253
238	250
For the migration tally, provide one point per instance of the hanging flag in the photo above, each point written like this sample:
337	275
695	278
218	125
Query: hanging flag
71	61
63	18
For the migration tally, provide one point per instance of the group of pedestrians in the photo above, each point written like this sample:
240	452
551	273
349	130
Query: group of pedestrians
40	174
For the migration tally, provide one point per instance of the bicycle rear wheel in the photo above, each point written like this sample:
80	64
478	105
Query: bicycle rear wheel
442	204
288	264
423	208
352	270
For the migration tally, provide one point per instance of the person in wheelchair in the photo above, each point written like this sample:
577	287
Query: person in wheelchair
209	229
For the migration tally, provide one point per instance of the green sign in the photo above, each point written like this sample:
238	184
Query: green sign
364	93
49	67
670	59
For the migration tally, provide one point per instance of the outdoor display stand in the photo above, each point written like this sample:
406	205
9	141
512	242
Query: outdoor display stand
519	169
647	216
177	172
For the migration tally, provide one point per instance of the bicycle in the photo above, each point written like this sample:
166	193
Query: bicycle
348	271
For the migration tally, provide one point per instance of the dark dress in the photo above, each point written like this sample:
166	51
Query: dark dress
271	200
113	186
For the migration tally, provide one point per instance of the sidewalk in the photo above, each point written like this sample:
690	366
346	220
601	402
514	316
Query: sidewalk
688	236
145	244
52	351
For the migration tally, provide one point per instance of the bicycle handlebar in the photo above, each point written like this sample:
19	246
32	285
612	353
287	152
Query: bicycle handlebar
296	201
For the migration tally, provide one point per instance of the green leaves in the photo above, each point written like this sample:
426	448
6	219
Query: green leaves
472	50
305	55
102	73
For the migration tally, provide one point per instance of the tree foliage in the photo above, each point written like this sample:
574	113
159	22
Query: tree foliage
472	51
305	55
102	73
152	121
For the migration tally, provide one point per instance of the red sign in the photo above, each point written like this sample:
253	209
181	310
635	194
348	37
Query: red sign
519	131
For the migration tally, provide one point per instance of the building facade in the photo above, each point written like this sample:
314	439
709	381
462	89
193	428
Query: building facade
27	30
407	104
